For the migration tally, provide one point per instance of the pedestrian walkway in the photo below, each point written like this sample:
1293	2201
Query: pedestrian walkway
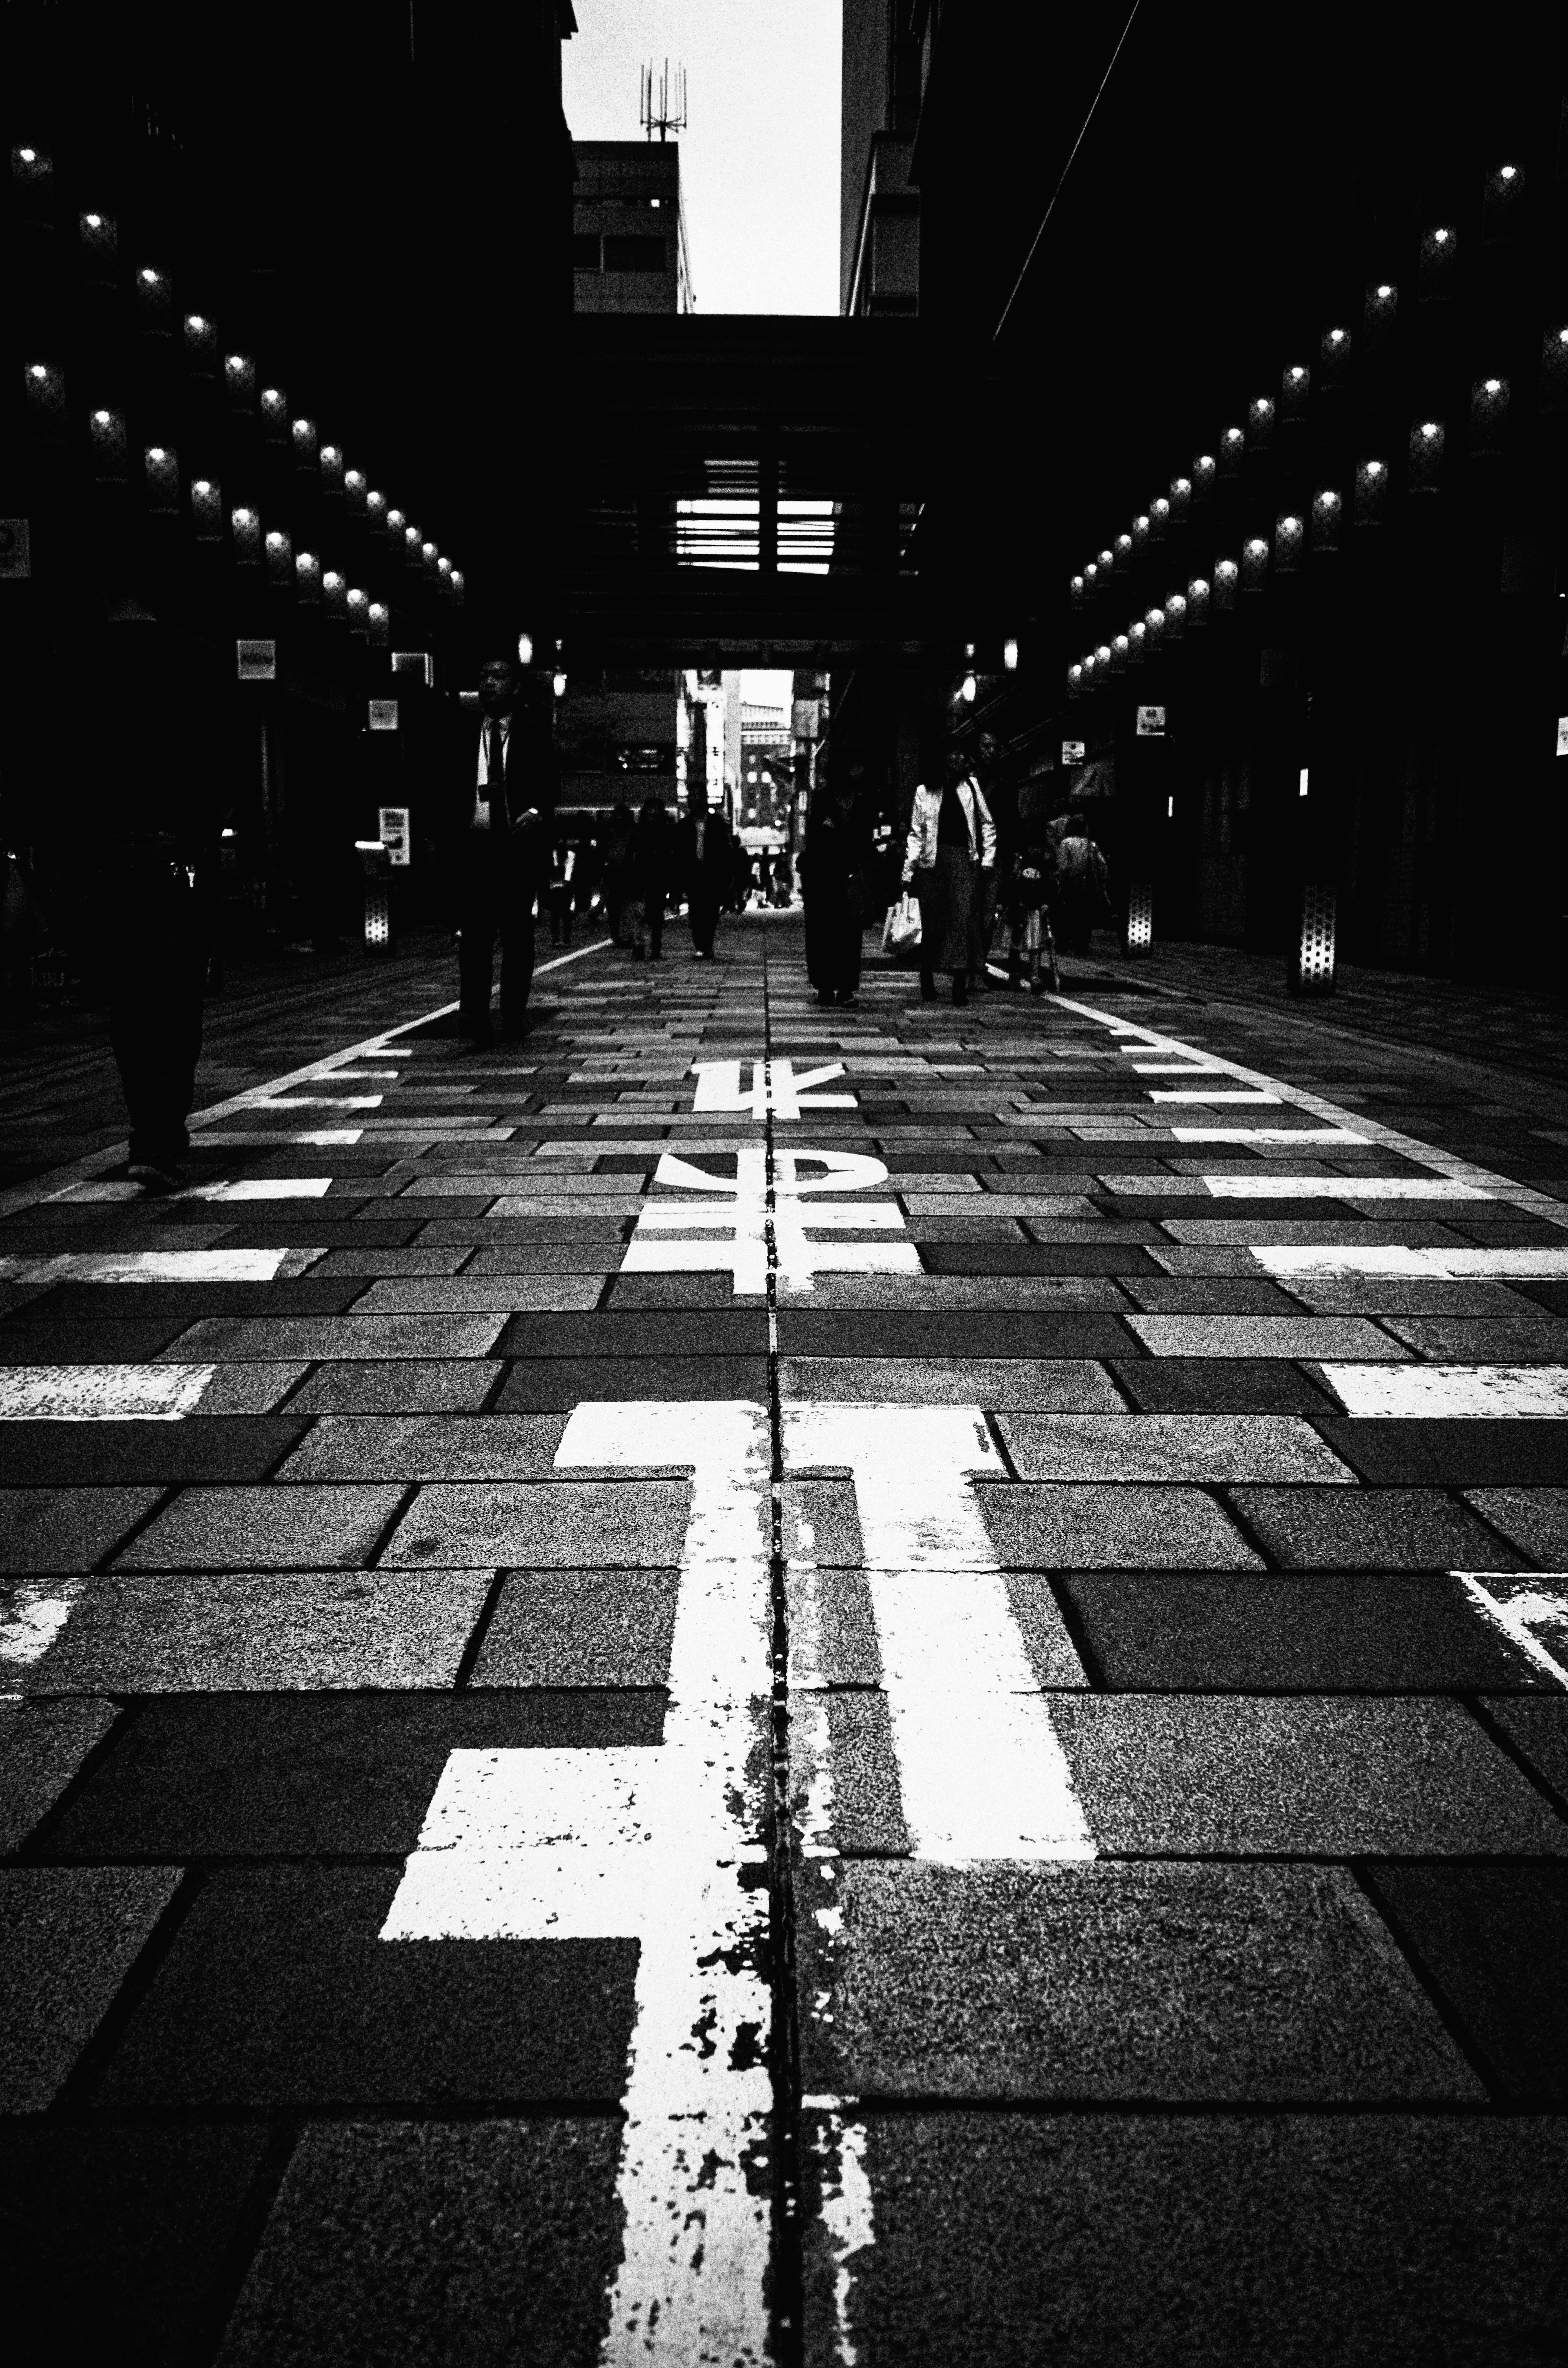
754	1683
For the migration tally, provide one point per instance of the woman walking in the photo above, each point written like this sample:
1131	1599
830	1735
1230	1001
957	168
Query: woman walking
952	841
833	862
649	883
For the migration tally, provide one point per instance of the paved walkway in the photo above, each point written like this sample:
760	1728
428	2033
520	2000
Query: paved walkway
748	1682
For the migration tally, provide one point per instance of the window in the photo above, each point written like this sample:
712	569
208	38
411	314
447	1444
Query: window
586	251
634	255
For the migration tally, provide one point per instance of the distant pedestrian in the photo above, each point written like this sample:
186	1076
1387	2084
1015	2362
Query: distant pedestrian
648	873
562	874
1029	906
617	877
503	806
705	860
833	879
1080	885
982	910
156	707
951	841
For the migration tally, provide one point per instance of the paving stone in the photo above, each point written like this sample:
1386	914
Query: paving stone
66	1529
1190	1985
1089	1526
1220	1386
194	1633
1313	1336
481	1294
1539	1730
1035	1257
1465	1452
1334	1776
592	1627
131	1341
1078	2238
890	1334
243	1447
832	1629
545	1525
1368	1529
1211	1295
867	1808
1393	1295
347	1337
1050	1384
398	1385
420	1258
427	1447
1391	1633
645	1290
1493	1942
42	1747
734	1332
549	1384
1514	1341
68	1938
487	2241
264	1529
1535	1520
278	1992
116	2240
177	1304
297	1775
820	1522
1201	1448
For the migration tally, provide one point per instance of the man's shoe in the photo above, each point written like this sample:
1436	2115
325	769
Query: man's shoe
155	1179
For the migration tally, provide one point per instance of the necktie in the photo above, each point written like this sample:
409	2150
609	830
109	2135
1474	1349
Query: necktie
495	768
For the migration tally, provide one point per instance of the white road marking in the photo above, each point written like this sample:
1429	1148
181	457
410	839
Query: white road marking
1192	1094
1442	1392
1343	1188
34	1618
1441	1265
774	1087
981	1770
101	1393
264	1188
161	1265
315	1101
665	1843
1169	1068
1266	1134
1521	1606
848	2215
734	1226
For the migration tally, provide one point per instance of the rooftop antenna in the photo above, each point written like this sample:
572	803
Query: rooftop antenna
662	117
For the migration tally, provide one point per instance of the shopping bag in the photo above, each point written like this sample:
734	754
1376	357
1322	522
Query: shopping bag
901	931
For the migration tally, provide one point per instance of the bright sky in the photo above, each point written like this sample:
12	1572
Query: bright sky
759	157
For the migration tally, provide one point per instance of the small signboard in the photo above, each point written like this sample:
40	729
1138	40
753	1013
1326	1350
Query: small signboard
16	551
257	661
393	822
418	663
1072	752
1562	736
1150	724
382	715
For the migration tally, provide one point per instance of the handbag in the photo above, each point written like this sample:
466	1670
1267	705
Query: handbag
901	931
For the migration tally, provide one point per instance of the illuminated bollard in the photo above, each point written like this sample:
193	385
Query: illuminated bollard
1139	934
375	864
1312	958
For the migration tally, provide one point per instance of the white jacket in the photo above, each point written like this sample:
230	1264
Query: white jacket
921	852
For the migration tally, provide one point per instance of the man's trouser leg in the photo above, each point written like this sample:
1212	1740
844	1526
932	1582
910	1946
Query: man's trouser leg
476	926
704	920
157	974
517	917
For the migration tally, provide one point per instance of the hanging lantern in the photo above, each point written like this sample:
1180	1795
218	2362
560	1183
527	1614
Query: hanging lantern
396	522
332	470
413	543
1120	648
32	183
244	530
1175	616
274	414
355	492
161	475
1106	562
1424	468
107	441
200	345
378	621
1488	416
308	577
1181	497
1074	680
1123	553
1227	576
1380	318
239	383
303	437
1232	444
1204	471
1140	534
1154	628
1326	511
280	558
98	235
1436	270
1371	493
1554	370
1076	591
1295	387
207	510
1197	602
1092	577
154	302
1159	518
1260	425
1502	202
334	597
359	607
459	586
1254	564
1290	540
1334	367
45	384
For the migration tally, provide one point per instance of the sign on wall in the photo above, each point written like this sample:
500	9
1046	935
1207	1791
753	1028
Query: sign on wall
395	835
382	715
257	661
1072	752
1150	724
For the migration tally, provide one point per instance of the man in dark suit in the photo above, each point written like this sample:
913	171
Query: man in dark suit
705	868
501	815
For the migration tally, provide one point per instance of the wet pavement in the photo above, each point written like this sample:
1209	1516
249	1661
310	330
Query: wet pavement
747	1681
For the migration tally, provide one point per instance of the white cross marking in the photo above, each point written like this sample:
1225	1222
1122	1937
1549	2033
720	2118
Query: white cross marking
737	1224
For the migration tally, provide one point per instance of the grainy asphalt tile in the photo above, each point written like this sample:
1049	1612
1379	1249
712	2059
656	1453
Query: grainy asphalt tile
599	1627
1494	1941
1177	1984
556	1384
264	1528
1051	1384
336	1337
42	1745
68	1937
1369	1529
545	1525
225	1447
1338	1776
488	2242
65	1528
1087	1526
398	1385
1540	1729
1535	1519
833	1630
427	1447
1314	1337
1201	1448
1464	1453
1516	1340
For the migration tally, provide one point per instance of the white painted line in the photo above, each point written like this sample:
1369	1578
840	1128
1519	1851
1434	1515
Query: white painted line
1182	1094
1441	1265
34	1618
263	1187
1171	1068
1451	1391
981	1770
1266	1134
114	1188
315	1101
161	1265
774	1087
1522	1607
101	1393
848	2218
1345	1188
732	1221
666	1844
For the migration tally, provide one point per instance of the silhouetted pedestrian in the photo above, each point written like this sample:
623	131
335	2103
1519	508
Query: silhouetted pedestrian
706	869
649	877
951	841
503	805
832	865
